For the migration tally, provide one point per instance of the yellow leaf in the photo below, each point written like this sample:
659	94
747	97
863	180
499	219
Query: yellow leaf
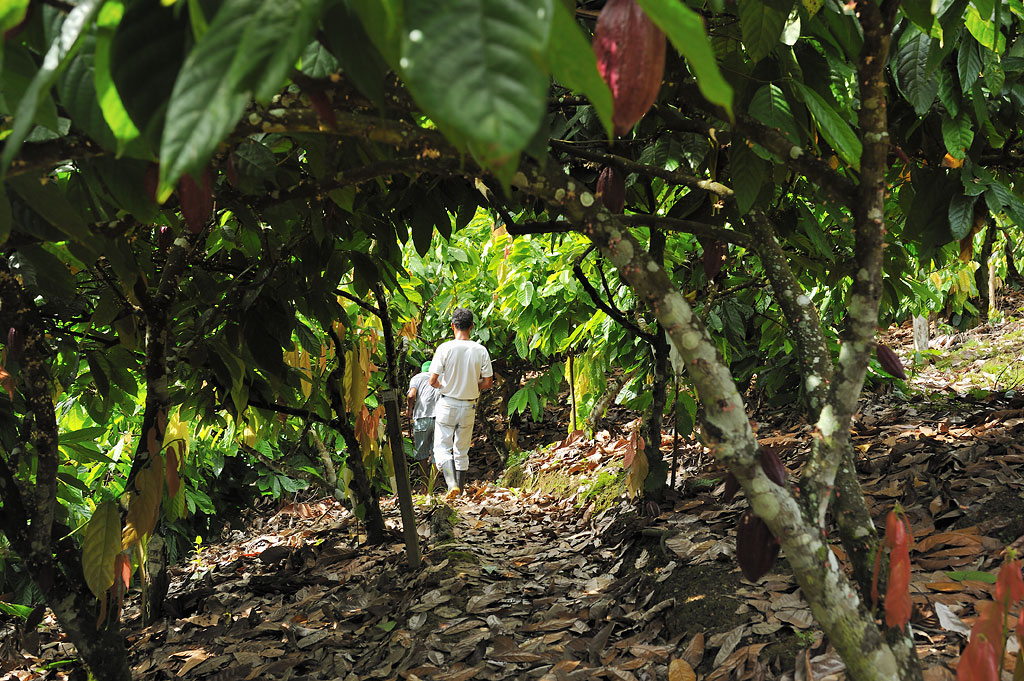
176	430
637	465
680	670
145	503
101	545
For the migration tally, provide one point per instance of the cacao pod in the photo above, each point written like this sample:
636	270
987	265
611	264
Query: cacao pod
732	485
714	257
756	547
630	53
196	201
165	239
889	361
611	189
772	466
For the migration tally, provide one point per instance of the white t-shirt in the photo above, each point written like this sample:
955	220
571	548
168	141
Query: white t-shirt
460	364
426	396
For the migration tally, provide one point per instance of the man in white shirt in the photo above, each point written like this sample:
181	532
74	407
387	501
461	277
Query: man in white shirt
461	369
420	403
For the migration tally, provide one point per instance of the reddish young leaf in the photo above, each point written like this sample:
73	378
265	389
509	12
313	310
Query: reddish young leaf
989	624
1020	628
979	661
897	590
173	481
1009	584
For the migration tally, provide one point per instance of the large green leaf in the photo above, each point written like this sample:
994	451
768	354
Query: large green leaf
57	57
762	22
769	106
78	96
836	131
961	214
116	116
12	12
477	69
984	30
145	57
748	173
355	51
248	51
573	64
958	134
918	83
47	200
685	30
18	71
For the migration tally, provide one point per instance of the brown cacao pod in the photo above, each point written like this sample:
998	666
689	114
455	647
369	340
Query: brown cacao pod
630	53
756	547
611	189
732	485
714	257
196	200
772	466
889	361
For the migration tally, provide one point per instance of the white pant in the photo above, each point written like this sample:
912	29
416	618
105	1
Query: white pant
453	431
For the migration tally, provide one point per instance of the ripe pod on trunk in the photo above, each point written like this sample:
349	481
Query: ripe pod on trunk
756	547
630	52
611	189
889	361
772	466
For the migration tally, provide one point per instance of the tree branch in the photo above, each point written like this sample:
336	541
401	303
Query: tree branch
624	164
366	306
700	229
607	308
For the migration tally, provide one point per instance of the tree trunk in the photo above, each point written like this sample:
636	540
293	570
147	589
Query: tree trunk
657	473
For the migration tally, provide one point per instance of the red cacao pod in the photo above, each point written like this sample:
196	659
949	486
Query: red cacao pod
772	466
611	189
630	53
756	547
196	200
889	361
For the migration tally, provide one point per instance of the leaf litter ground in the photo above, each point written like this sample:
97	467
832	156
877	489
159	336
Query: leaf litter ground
523	584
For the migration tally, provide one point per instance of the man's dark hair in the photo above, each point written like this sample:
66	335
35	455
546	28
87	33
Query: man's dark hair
462	319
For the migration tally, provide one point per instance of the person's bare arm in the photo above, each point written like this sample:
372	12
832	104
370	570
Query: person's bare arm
410	402
435	381
486	382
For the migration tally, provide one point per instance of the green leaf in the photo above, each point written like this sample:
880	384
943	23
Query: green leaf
525	294
984	30
57	57
78	96
19	68
835	130
762	23
146	52
920	12
748	173
573	64
248	51
961	215
383	21
972	575
116	116
355	51
48	201
685	30
15	610
918	84
12	13
769	106
958	134
476	68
